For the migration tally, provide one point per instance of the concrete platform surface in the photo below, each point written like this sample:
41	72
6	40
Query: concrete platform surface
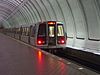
19	59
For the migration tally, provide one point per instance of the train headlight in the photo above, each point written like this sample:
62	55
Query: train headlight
40	41
61	40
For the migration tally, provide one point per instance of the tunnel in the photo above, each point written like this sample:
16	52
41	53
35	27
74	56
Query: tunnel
81	19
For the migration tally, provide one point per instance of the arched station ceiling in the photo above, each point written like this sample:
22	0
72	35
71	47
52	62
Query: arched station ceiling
7	7
81	18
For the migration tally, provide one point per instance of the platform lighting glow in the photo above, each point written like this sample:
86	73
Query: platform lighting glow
39	53
21	0
80	68
69	63
40	56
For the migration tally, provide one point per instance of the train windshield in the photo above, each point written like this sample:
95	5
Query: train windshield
51	31
41	37
60	31
42	30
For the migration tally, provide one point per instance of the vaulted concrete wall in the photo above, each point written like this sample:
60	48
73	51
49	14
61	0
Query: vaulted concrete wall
81	19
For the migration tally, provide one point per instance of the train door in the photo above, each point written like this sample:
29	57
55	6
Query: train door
51	33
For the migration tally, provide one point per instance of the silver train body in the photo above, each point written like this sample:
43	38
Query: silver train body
45	35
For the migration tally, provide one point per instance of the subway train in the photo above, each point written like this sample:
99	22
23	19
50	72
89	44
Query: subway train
44	35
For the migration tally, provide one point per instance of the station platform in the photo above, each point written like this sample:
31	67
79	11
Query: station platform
18	58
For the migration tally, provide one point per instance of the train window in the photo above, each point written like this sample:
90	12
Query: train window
27	31
33	30
17	30
60	31
42	30
23	33
51	31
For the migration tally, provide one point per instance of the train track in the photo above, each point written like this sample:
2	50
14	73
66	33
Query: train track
78	60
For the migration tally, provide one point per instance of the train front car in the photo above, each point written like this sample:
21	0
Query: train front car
51	35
